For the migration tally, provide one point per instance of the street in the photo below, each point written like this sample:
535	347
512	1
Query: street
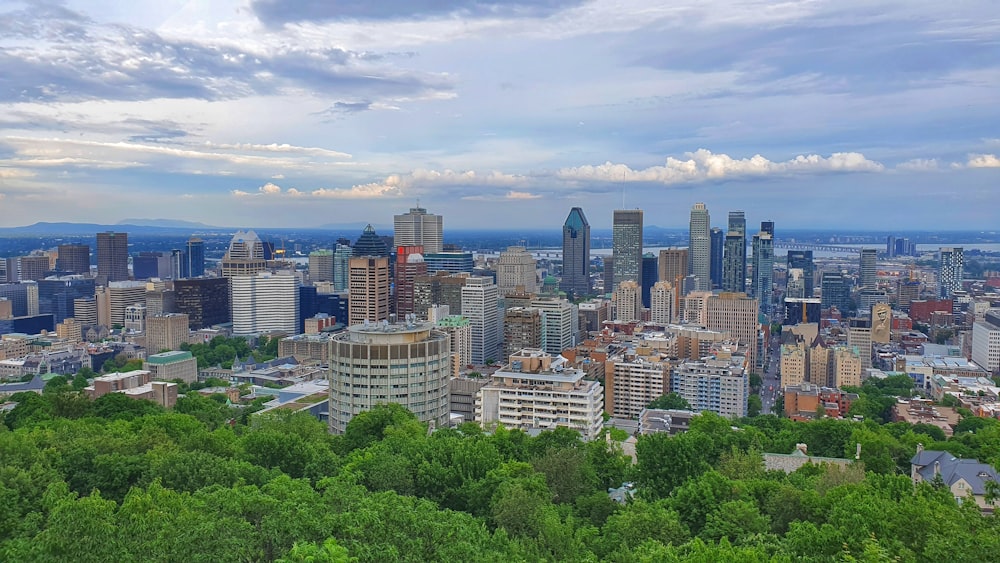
771	380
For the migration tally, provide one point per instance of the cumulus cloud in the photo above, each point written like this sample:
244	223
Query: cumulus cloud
919	165
702	165
983	161
269	189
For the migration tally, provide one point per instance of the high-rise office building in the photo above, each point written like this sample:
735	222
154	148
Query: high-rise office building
734	267
836	291
700	247
440	288
626	243
370	244
650	275
608	273
117	296
321	266
265	303
522	328
246	255
417	356
57	295
32	268
662	298
194	256
718	251
368	289
341	266
17	294
576	254
767	227
867	269
763	267
146	265
516	269
560	323
112	256
951	267
74	259
480	304
673	266
418	228
802	260
409	266
451	261
179	266
204	300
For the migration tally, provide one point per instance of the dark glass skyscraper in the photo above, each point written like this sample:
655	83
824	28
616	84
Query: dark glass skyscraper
836	291
56	295
370	244
734	264
626	243
112	256
576	254
650	275
204	300
718	248
74	258
195	258
802	260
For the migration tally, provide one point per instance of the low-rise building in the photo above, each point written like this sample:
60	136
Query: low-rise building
135	385
538	391
673	421
169	366
923	411
964	478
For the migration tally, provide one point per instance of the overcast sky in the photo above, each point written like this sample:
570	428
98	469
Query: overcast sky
278	113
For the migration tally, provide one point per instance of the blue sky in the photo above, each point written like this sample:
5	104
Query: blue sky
266	113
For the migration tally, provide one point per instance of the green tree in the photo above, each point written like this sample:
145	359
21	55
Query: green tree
329	552
373	425
670	401
754	405
735	520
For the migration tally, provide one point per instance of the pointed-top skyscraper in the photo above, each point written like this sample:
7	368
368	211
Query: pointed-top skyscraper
370	244
576	254
700	247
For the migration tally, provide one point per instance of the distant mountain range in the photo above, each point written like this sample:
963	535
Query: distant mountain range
167	223
153	226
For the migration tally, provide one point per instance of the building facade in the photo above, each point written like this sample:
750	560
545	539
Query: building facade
700	247
516	271
576	254
405	363
480	304
626	242
951	266
368	298
265	303
715	385
419	228
112	256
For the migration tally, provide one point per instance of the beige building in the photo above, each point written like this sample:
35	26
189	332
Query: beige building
794	363
516	271
627	301
537	391
70	330
859	336
694	308
134	385
245	256
306	347
673	265
172	365
166	332
459	330
662	298
368	286
736	314
321	266
632	383
405	363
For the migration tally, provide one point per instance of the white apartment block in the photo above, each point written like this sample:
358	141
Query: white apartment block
560	324
632	384
536	391
717	385
986	341
661	303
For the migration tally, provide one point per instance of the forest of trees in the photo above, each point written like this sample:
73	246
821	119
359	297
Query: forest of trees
122	480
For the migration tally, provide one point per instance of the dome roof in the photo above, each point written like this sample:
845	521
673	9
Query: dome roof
415	258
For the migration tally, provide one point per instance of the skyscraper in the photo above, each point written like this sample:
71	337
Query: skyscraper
418	228
867	269
734	267
195	257
700	247
650	275
763	266
835	291
718	248
626	243
627	301
950	270
112	256
204	300
673	265
409	265
802	260
56	295
516	268
74	259
265	303
246	255
480	304
341	268
369	289
321	266
370	244
662	303
576	254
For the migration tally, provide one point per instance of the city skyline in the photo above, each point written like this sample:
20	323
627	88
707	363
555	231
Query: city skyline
229	113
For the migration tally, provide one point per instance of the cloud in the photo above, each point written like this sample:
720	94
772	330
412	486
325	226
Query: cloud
279	148
983	161
269	189
277	12
54	54
919	165
509	196
703	165
15	173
